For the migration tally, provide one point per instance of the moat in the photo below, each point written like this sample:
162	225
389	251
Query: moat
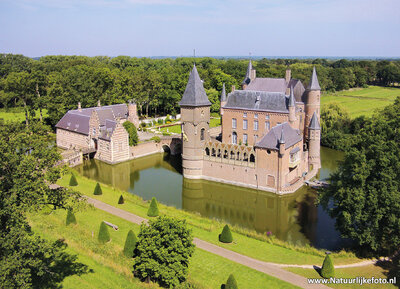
292	217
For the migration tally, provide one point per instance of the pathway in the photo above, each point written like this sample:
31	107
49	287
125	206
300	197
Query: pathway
271	269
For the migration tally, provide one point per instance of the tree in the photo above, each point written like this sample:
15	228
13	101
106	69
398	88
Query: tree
121	200
231	283
163	251
130	244
70	218
363	193
131	129
104	235
327	270
97	190
226	235
72	181
153	208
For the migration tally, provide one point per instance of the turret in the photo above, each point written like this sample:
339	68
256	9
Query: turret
281	143
195	117
250	75
223	98
313	94
292	108
132	111
314	138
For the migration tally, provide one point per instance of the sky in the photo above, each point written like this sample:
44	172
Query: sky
212	27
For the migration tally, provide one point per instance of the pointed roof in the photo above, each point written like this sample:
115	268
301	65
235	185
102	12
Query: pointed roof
247	77
314	123
314	84
282	138
194	94
223	93
292	101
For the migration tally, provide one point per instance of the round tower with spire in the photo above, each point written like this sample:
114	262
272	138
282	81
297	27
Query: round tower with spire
314	143
313	95
195	116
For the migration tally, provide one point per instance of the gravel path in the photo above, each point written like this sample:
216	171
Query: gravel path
271	269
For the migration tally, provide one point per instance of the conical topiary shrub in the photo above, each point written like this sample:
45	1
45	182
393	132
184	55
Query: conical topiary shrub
153	209
226	235
97	190
130	244
121	200
328	271
72	181
231	283
70	218
104	235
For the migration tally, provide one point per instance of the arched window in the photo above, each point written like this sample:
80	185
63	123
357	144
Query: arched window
207	151
219	153
245	158
238	156
213	152
232	155
225	154
234	137
252	158
202	131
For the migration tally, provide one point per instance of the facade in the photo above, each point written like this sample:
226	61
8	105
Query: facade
98	130
270	133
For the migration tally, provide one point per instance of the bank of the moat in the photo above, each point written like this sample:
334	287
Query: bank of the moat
292	217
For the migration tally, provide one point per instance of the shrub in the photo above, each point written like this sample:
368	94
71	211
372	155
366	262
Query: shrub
70	218
231	283
156	139
72	181
98	190
130	244
166	133
132	132
226	235
215	114
104	235
153	209
160	121
121	200
163	251
327	270
143	124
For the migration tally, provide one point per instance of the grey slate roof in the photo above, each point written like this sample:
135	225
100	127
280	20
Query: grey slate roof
268	84
314	123
271	139
74	122
223	93
257	100
105	114
108	129
194	94
314	84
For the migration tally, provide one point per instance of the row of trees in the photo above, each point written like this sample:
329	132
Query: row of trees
58	83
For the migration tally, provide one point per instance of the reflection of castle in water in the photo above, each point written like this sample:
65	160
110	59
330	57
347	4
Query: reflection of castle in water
289	217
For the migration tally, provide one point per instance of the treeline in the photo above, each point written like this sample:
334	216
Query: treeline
58	83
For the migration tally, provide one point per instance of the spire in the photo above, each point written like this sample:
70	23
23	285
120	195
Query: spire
292	101
314	123
194	94
223	93
248	73
314	85
282	138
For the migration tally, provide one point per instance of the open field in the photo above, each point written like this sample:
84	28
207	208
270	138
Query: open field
17	114
362	101
113	270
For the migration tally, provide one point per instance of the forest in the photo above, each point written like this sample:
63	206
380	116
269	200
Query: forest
57	83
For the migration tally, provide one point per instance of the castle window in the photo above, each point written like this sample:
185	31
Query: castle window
202	134
232	155
245	159
267	117
256	125
245	138
238	156
244	114
207	151
252	158
256	115
245	124
219	153
213	152
234	137
267	125
225	154
233	122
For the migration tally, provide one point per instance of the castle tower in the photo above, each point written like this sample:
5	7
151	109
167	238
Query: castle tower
292	109
313	94
132	111
314	133
195	117
250	75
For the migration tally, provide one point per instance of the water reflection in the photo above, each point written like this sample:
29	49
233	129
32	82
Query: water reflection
292	217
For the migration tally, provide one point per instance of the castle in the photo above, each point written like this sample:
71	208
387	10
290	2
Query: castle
270	133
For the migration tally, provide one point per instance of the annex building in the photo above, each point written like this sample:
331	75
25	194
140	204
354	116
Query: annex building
270	136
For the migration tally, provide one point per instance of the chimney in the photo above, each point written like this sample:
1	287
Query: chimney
98	103
233	88
288	75
79	106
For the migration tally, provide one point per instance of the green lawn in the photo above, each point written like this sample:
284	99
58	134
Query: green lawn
208	230
364	271
362	101
214	122
113	270
17	114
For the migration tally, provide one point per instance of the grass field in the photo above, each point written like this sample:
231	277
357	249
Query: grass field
17	114
214	122
112	270
362	101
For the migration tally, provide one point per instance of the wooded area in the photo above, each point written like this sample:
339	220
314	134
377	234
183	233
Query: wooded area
58	83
